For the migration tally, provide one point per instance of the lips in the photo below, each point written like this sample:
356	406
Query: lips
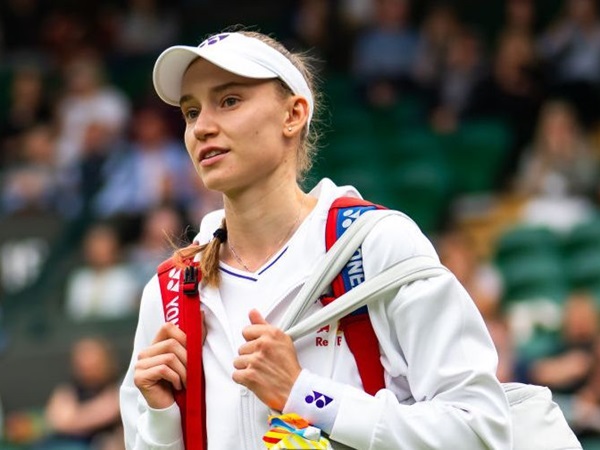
211	152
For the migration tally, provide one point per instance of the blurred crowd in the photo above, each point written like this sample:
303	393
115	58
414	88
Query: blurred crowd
83	139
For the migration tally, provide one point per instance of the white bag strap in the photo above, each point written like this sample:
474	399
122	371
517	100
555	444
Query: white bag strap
380	287
332	263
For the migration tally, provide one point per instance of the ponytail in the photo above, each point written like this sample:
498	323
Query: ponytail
209	259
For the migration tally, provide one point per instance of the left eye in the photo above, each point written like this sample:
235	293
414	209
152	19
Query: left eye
230	101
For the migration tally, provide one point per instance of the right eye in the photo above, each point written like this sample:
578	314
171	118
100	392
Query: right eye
190	114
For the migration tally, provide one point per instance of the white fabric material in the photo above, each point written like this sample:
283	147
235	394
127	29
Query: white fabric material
533	411
236	53
440	362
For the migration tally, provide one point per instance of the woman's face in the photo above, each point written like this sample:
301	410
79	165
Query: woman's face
235	128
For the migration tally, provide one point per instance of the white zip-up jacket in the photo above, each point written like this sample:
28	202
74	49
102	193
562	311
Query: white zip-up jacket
439	360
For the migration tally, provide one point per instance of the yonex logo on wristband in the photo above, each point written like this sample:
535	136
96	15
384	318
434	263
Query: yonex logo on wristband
320	400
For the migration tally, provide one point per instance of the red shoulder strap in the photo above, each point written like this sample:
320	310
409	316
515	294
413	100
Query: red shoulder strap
181	306
357	327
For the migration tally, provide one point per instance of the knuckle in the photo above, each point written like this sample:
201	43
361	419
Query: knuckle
170	358
163	371
171	344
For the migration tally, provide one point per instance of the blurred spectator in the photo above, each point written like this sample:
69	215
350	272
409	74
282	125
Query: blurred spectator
88	99
356	14
463	70
512	91
520	16
571	49
151	173
384	53
572	370
440	26
569	367
161	231
558	169
583	408
28	106
64	35
100	154
316	28
85	410
146	27
102	287
33	185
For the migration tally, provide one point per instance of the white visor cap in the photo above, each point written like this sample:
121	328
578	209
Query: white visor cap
234	52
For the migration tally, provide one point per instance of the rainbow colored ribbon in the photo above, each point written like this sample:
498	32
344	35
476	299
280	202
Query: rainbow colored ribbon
291	431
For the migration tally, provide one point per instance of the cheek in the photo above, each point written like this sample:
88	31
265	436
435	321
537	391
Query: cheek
190	143
188	139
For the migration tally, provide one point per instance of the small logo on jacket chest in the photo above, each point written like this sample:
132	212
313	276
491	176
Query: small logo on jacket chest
323	339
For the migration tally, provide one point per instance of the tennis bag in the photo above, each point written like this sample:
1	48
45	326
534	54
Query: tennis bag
538	422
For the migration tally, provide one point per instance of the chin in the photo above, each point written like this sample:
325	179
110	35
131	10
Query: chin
217	183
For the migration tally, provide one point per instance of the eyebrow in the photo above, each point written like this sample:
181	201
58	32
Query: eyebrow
223	87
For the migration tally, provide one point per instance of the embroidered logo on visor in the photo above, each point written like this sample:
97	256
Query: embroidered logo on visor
213	39
320	400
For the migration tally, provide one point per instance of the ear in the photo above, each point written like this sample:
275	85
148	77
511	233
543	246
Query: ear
296	116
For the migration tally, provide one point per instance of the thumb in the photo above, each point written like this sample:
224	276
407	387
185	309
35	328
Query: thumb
256	318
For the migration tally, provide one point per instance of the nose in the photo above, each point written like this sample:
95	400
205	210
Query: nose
205	125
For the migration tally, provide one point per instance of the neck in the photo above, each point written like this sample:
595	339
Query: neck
259	225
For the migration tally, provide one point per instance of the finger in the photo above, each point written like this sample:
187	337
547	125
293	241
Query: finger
169	360
256	318
168	331
239	376
258	326
170	345
146	377
241	362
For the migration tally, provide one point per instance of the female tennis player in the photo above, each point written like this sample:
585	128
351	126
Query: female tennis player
248	104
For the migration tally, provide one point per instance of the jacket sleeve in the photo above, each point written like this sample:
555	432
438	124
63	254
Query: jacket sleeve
435	346
147	428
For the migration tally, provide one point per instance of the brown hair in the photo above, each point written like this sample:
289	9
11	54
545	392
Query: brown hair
304	64
209	261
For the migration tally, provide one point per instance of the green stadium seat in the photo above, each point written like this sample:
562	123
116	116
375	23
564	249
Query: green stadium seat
412	145
406	114
351	149
368	181
583	270
339	89
534	276
133	76
524	240
350	119
421	189
477	153
582	237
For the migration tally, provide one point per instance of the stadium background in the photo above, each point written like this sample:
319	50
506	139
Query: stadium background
435	108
